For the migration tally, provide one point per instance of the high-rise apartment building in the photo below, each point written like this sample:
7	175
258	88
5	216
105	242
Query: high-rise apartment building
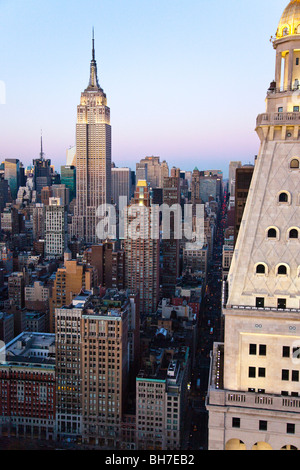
68	369
232	176
109	263
254	390
56	228
170	245
16	289
93	365
142	250
105	365
41	171
121	183
242	185
12	175
93	158
68	178
152	170
161	401
69	281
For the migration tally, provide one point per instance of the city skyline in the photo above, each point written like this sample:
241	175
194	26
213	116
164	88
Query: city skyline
156	61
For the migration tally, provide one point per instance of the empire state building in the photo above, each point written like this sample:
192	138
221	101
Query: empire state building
93	157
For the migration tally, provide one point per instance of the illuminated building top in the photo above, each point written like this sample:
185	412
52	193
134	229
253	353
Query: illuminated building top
289	23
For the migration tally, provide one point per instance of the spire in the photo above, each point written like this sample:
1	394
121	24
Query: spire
42	153
93	53
93	83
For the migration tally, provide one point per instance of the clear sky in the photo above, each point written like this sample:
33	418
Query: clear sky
184	79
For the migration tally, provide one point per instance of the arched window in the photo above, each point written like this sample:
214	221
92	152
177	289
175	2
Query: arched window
282	270
272	233
283	197
294	164
293	233
285	31
260	269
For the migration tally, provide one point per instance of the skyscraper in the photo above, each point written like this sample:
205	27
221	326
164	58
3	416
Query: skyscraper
170	246
255	375
12	175
42	171
55	228
142	252
93	157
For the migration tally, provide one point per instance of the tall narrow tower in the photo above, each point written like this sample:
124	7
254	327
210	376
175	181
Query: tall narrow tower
254	390
93	157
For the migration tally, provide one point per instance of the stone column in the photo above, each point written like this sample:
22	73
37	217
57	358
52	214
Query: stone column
290	69
278	69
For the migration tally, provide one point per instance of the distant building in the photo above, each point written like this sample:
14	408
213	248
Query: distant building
12	175
56	228
121	184
152	170
27	387
142	253
68	178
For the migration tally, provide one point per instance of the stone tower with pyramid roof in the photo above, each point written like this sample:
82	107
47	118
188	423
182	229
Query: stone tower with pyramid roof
254	389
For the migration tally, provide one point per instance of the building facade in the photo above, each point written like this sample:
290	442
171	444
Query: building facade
93	158
253	398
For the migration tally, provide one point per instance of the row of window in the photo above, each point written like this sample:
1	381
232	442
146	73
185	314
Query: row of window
286	375
292	233
281	269
263	425
262	351
260	303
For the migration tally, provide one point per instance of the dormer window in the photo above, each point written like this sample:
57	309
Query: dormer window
294	165
293	233
284	197
282	270
260	269
272	233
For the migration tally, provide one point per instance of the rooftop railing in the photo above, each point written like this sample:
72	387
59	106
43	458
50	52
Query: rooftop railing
278	118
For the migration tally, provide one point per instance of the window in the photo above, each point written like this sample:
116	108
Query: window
260	302
284	374
295	376
282	271
272	233
263	425
252	349
236	422
285	351
260	269
293	233
261	372
262	350
290	428
280	109
297	61
295	162
252	372
281	303
296	108
283	197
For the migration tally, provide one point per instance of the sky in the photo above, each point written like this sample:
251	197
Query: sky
184	79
